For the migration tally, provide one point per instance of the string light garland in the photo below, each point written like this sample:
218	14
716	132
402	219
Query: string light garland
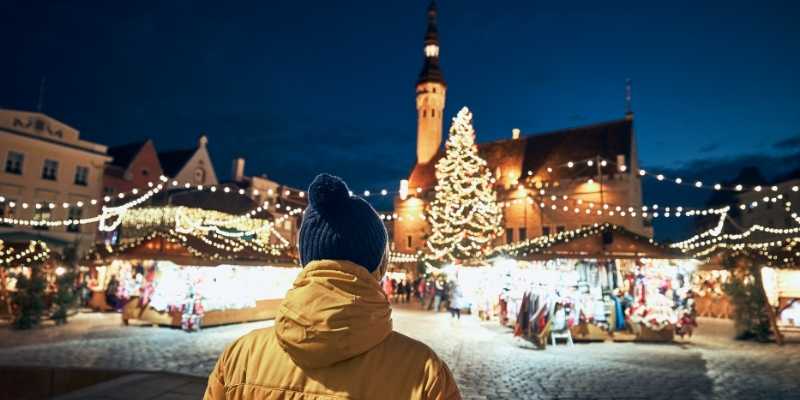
36	251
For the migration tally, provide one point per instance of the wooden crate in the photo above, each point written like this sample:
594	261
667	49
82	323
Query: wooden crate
586	332
264	310
645	334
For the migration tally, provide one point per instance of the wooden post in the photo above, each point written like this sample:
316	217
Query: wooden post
773	319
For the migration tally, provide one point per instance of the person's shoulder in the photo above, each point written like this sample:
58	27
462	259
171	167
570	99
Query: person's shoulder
402	344
254	339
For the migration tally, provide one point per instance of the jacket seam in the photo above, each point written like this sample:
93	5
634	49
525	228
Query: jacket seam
285	389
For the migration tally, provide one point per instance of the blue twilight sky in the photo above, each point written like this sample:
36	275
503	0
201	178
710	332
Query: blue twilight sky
302	87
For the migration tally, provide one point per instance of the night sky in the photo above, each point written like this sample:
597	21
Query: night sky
303	87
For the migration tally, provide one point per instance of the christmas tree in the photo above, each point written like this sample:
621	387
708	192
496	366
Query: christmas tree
464	215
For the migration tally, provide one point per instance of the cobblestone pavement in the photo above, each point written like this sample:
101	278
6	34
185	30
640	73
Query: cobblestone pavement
487	361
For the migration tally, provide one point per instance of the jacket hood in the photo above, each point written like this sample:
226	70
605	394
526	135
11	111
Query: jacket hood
335	311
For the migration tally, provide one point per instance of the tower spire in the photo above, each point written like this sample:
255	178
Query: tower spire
430	95
430	69
628	99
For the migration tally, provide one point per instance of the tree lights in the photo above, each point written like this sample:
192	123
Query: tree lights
464	215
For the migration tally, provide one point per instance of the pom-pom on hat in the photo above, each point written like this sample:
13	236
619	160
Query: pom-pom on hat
338	226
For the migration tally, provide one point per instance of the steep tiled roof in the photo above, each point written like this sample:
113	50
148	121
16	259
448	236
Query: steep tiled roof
535	152
172	161
124	154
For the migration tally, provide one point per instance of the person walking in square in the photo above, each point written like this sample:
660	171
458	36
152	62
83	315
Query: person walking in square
333	336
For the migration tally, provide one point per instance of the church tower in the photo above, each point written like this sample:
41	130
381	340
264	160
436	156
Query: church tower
430	95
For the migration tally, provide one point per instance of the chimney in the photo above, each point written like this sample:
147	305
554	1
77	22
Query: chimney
515	133
237	172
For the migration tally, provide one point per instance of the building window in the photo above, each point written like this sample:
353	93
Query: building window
14	162
50	170
42	214
199	175
424	113
545	230
409	240
523	234
560	229
74	213
433	113
81	176
509	235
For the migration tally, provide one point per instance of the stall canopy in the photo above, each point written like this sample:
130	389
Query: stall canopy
597	241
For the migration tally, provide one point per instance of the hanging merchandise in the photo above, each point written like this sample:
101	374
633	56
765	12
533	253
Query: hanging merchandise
662	296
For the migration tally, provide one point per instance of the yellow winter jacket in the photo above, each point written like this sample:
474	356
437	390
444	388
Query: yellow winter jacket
332	339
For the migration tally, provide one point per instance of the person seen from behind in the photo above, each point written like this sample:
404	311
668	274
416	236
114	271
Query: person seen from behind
333	336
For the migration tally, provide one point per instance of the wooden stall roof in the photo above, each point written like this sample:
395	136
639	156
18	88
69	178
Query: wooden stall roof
191	251
605	241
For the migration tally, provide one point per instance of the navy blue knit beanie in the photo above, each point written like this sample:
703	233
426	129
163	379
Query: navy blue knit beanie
338	226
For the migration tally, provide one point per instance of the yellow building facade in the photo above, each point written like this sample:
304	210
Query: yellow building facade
49	173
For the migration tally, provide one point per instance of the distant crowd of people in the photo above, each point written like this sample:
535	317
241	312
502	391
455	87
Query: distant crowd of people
433	294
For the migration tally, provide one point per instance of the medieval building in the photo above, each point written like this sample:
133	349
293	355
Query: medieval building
547	182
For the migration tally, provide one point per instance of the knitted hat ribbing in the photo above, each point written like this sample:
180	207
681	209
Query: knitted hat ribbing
338	226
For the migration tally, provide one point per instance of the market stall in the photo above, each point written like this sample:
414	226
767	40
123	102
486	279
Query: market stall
160	281
597	282
192	258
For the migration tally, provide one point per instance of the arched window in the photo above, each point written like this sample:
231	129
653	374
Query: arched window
424	113
199	175
433	113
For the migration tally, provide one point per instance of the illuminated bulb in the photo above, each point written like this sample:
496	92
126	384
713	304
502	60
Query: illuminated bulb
419	190
65	205
37	206
795	188
187	185
570	164
93	202
642	172
655	206
79	204
121	195
698	184
135	191
590	163
590	181
24	205
738	188
285	192
366	193
757	188
384	192
566	208
350	192
603	163
678	180
717	186
174	183
623	168
660	177
577	210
